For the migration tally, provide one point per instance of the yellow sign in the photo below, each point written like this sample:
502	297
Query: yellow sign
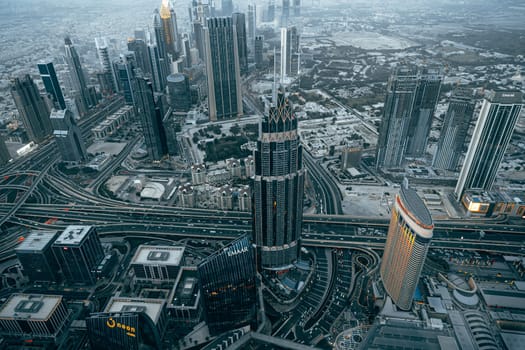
130	331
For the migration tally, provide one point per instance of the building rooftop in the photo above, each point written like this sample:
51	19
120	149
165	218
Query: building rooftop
151	307
29	306
73	235
158	255
505	97
415	205
37	241
185	292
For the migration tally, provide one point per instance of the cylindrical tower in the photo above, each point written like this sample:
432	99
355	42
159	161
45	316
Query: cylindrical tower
179	92
278	188
406	247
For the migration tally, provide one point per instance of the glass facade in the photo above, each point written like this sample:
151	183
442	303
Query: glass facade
451	143
278	188
497	119
228	286
223	69
406	247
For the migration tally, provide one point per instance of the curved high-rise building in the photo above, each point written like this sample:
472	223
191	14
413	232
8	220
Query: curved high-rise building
278	188
407	243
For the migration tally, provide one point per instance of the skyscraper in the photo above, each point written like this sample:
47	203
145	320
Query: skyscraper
228	286
78	251
50	80
297	8
223	71
179	92
393	132
410	103
289	52
142	55
77	76
259	58
31	108
107	67
406	247
285	12
278	188
270	14
125	68
151	119
251	21
451	143
168	29
68	136
227	8
424	105
240	26
161	55
498	117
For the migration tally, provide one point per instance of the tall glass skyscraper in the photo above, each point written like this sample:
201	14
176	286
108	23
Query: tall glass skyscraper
410	103
425	100
278	188
406	247
168	29
223	70
151	119
50	80
31	108
228	286
77	76
393	132
451	143
105	62
239	21
498	117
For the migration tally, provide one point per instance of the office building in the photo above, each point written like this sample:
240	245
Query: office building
228	287
172	124
5	157
184	302
198	34
125	68
251	27
36	256
142	55
151	118
41	319
78	78
50	80
410	103
278	188
68	136
223	71
297	8
31	108
78	252
158	52
452	141
186	48
258	55
351	156
425	101
179	92
498	117
239	21
285	14
157	263
397	111
406	247
289	52
270	13
110	79
168	29
128	324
